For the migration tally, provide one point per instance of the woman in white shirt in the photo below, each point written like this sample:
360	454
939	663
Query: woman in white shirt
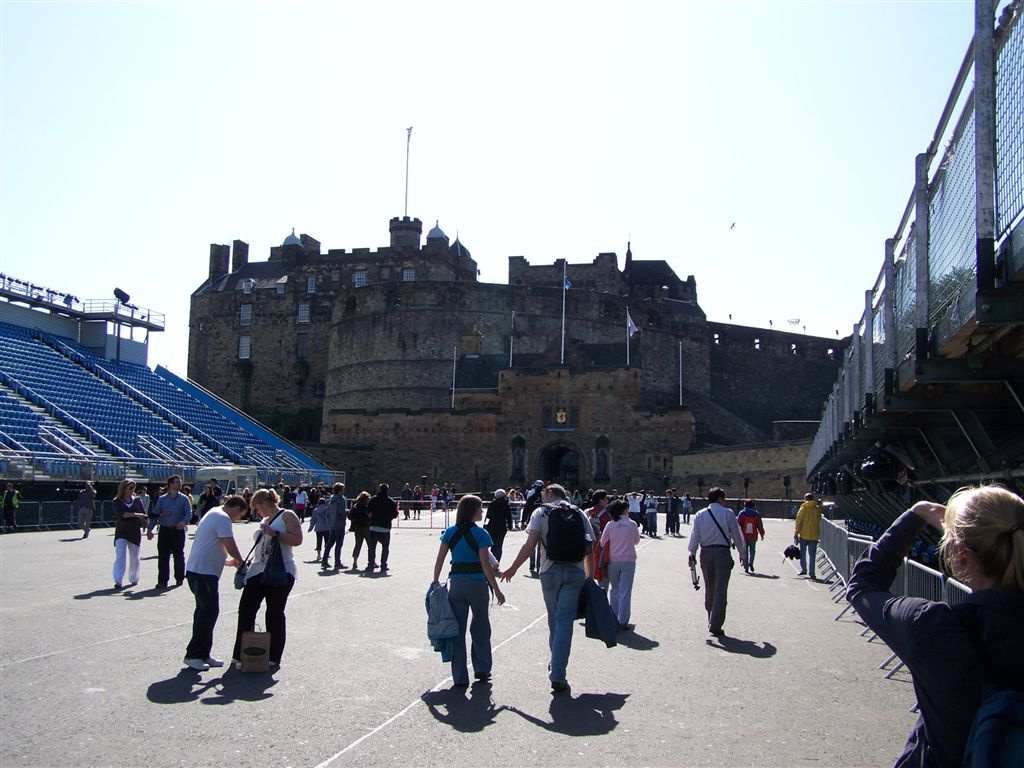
280	527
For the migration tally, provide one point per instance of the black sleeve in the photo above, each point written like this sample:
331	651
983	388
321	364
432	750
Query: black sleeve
890	617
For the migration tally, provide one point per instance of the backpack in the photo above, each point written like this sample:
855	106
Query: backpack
997	732
566	541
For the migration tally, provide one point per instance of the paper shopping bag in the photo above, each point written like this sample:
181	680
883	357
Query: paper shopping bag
255	652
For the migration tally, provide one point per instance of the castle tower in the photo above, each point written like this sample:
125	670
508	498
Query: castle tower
405	232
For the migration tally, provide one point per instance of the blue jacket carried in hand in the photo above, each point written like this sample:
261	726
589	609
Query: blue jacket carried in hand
442	626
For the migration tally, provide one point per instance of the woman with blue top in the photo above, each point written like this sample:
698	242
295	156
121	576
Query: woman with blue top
471	573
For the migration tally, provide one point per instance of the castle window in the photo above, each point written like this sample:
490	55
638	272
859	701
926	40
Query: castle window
359	278
245	314
757	343
244	347
247	285
303	316
281	285
408	274
717	339
792	349
311	284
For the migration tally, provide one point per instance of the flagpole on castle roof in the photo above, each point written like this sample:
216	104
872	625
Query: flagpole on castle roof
408	141
565	284
627	337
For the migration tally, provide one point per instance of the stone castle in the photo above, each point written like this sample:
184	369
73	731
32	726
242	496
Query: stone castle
397	364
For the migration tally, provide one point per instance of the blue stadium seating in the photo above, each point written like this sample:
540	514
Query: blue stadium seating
125	408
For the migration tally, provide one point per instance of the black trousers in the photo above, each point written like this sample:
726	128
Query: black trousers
385	546
253	596
204	619
170	542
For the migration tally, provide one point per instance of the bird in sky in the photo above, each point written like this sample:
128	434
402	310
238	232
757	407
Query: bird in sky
733	225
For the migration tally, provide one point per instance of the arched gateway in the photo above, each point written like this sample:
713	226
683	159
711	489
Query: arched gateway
561	463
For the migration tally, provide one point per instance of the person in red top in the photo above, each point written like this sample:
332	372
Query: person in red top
599	518
750	523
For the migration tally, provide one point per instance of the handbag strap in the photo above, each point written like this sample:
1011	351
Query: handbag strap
711	513
260	537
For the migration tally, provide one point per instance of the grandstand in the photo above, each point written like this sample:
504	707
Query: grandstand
78	402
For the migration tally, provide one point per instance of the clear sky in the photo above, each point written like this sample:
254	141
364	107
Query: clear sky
134	134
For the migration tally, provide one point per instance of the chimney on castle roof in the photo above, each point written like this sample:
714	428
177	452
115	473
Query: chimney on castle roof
239	255
219	255
405	232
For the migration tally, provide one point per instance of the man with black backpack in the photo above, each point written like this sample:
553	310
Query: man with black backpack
566	555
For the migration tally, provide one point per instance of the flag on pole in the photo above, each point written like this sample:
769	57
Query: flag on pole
630	325
568	285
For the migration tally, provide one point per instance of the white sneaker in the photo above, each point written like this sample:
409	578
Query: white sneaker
197	664
214	662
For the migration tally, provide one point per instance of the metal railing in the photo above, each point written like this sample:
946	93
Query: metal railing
927	285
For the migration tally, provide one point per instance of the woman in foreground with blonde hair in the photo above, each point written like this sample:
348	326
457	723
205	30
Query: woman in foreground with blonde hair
951	651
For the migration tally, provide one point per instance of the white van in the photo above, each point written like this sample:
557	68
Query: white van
231	479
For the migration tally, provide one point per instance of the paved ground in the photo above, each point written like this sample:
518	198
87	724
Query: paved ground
90	677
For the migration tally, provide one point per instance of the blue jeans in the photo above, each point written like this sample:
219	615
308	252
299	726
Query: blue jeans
204	619
335	538
620	599
561	585
807	564
465	595
652	523
751	550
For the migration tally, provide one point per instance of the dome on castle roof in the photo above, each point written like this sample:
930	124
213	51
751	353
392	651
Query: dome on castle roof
436	232
292	239
459	250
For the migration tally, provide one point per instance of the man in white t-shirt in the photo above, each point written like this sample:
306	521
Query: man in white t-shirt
205	564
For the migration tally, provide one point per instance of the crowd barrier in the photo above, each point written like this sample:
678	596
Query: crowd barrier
839	550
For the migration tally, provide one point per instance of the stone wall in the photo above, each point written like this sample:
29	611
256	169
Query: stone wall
765	376
766	465
552	425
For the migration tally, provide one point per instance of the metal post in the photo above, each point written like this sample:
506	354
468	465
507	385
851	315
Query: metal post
680	373
921	227
985	140
889	299
455	354
869	344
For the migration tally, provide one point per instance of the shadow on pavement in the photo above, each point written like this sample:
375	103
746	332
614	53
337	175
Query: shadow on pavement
468	714
144	593
589	714
762	575
746	647
96	593
231	686
76	538
636	641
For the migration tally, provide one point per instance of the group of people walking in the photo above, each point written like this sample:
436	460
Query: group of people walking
956	654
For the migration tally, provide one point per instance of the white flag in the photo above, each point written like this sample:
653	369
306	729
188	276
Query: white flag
630	325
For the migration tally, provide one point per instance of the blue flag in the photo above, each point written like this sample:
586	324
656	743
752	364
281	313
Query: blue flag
568	285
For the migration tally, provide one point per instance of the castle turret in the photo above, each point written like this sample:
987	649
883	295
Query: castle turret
405	232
